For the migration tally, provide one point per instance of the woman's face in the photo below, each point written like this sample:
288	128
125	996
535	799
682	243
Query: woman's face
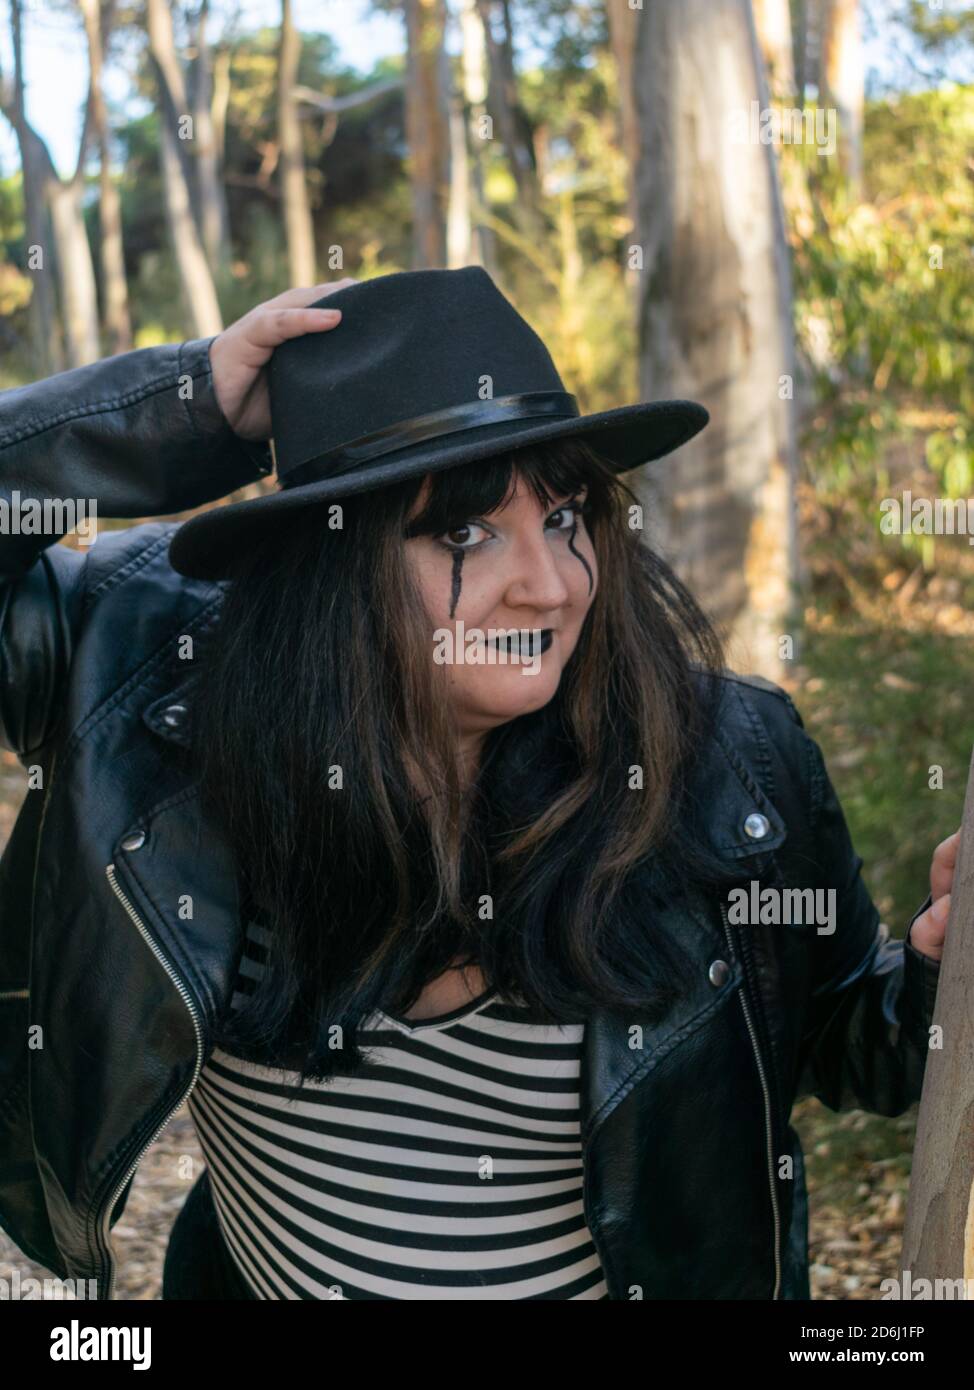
526	566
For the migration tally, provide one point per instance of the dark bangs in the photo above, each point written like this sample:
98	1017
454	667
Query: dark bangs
476	489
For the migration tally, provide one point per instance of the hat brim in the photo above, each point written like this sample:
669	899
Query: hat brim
628	437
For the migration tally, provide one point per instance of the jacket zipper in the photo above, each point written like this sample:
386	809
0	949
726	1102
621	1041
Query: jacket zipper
769	1132
14	993
194	1015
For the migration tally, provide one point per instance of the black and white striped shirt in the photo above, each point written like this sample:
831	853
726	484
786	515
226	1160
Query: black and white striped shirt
451	1168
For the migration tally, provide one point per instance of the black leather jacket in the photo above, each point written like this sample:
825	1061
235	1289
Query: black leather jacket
686	1191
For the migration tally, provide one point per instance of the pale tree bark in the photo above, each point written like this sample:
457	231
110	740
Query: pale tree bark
938	1236
623	27
220	103
800	33
772	23
842	82
214	221
47	348
427	129
298	225
502	103
459	217
175	123
478	131
115	301
715	322
69	244
76	271
772	19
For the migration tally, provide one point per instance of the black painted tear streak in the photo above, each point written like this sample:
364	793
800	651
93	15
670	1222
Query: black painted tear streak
581	558
455	581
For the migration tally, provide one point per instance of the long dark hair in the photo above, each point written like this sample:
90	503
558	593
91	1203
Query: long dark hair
316	695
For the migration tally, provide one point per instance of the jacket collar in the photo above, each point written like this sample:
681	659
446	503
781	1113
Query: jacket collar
735	814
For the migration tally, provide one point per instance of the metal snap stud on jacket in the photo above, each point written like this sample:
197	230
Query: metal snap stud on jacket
174	716
134	841
757	826
719	972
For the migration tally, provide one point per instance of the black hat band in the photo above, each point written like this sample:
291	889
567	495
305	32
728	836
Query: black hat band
559	405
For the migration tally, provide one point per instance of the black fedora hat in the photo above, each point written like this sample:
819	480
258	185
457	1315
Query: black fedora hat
427	369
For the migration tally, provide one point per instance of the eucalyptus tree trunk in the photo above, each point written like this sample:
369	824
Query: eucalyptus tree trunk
428	129
459	218
47	348
115	301
842	82
76	272
772	20
503	104
298	226
214	221
938	1237
175	128
478	130
65	248
714	315
623	30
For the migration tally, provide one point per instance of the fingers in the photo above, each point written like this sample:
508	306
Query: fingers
929	930
304	294
274	326
243	349
942	865
286	316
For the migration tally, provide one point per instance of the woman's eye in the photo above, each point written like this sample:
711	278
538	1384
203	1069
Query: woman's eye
459	537
565	517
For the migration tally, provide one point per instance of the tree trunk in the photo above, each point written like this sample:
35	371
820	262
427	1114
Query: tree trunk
502	103
623	29
772	22
938	1239
115	312
459	219
76	273
196	281
220	104
772	19
298	226
71	258
427	129
800	31
214	220
525	133
842	82
477	126
715	321
47	348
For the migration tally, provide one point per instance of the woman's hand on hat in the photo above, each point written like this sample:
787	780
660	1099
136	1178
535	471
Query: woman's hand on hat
239	355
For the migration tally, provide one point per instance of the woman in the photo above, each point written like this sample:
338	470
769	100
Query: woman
438	950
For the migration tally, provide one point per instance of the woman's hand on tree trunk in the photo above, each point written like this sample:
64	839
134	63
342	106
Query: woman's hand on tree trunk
239	355
928	932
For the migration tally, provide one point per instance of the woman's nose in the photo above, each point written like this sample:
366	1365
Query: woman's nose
536	579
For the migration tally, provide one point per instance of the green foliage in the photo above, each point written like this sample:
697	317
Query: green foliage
885	300
882	779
